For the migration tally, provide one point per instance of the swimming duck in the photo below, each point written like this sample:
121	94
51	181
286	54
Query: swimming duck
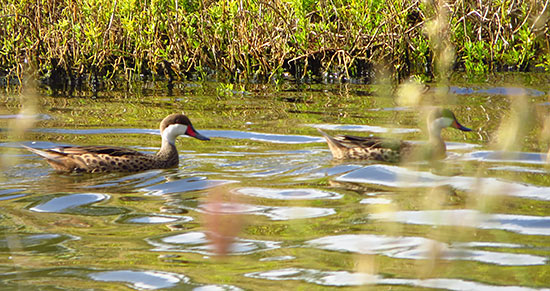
394	151
93	159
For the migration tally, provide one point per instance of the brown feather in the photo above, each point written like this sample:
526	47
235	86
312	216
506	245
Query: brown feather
94	159
392	150
369	148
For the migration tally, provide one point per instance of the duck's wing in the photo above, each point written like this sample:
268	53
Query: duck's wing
370	142
96	150
69	159
359	147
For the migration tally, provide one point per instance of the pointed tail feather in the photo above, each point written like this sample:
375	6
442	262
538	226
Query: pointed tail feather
48	155
61	162
329	138
334	145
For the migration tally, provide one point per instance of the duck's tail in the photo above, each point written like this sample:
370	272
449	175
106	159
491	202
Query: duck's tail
60	161
48	155
57	160
336	147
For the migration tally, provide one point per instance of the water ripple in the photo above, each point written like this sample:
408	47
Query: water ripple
34	243
345	278
418	248
153	219
509	157
233	134
279	258
367	128
393	176
148	280
524	224
265	137
375	201
26	116
62	203
184	185
74	204
198	242
8	194
288	194
82	131
504	91
137	180
273	212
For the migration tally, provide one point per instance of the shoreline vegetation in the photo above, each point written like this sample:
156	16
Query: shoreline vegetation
81	41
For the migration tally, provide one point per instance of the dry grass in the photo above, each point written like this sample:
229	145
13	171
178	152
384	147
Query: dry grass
78	40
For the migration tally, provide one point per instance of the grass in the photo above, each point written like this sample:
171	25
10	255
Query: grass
75	41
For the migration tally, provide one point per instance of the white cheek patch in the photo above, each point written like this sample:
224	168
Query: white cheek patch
171	132
443	122
438	124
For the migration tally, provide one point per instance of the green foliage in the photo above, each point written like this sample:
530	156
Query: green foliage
544	63
474	58
256	39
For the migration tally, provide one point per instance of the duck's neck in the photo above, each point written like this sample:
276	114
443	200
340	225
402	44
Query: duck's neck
168	154
435	141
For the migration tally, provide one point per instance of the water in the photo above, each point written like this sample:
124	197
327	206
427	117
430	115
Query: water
265	193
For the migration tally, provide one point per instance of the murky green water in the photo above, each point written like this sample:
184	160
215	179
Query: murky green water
478	220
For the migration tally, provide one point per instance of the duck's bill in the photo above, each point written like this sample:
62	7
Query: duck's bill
460	126
200	136
193	133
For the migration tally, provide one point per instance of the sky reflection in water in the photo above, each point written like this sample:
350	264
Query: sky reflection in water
286	180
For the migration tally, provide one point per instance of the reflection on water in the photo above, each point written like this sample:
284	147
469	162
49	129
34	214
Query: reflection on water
418	248
198	242
148	280
344	278
510	157
273	212
153	219
60	204
399	177
504	91
288	194
8	194
280	258
91	278
298	216
132	181
524	224
34	243
26	116
184	185
367	128
75	204
375	201
265	137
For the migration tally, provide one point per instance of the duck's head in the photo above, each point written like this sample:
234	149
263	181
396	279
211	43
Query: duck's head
441	118
178	124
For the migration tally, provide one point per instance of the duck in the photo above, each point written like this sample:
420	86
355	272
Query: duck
392	150
101	159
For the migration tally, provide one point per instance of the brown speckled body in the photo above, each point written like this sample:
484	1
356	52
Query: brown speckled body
96	159
395	151
345	147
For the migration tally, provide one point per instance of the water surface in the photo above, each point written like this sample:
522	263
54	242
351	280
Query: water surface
263	205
